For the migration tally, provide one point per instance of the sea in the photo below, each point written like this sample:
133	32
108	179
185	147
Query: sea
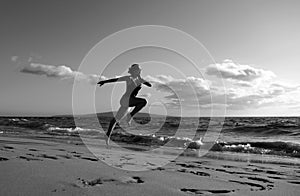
270	139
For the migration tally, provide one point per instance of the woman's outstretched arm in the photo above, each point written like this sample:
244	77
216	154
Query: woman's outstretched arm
123	78
146	83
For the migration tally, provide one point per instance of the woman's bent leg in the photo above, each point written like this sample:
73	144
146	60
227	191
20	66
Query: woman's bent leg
139	103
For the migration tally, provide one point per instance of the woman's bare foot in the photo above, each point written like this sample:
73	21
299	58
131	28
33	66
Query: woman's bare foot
128	119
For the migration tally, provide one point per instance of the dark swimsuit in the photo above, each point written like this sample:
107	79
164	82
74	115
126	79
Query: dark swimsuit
135	91
132	100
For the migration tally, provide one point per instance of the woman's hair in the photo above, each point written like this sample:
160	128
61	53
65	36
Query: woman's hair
134	67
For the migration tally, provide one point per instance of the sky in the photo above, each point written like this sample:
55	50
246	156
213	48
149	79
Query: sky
250	56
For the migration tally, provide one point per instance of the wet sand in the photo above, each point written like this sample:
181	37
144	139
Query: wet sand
39	167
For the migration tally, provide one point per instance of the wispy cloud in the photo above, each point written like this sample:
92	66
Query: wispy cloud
14	58
234	71
62	72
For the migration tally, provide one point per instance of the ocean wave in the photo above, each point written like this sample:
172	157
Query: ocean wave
265	130
71	130
38	123
22	122
279	148
150	140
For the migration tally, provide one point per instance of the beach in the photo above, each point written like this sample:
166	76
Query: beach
150	98
32	166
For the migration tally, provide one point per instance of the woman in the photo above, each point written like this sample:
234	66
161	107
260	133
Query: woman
129	99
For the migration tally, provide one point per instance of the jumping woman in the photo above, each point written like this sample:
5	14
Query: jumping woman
129	99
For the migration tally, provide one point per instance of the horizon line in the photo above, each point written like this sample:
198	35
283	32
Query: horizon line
206	116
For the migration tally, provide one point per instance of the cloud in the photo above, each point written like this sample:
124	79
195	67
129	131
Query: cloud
188	85
182	91
247	87
265	94
14	58
195	92
146	95
49	70
234	71
61	72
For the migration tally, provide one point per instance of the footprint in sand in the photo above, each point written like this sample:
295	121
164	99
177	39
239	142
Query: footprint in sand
100	181
251	184
158	168
29	158
198	173
3	159
260	167
294	182
260	179
8	147
129	180
276	177
29	154
89	158
187	165
79	155
87	183
32	149
264	171
204	191
48	156
74	152
273	172
268	186
66	156
228	166
233	172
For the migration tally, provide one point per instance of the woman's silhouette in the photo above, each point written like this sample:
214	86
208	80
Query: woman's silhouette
129	99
